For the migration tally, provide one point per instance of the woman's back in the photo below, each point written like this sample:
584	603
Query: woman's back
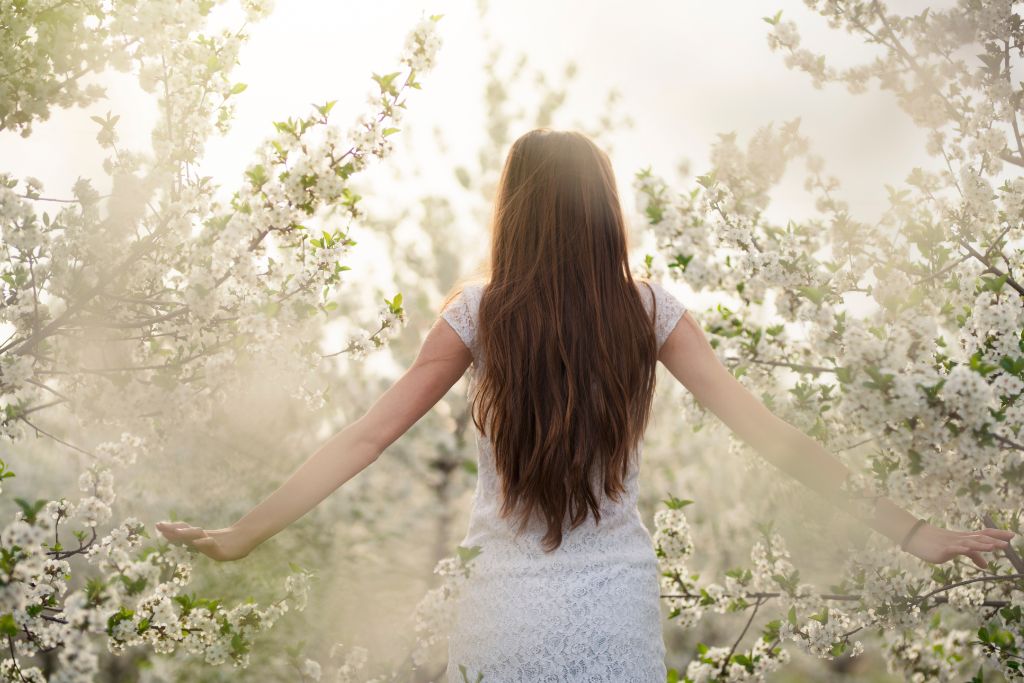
590	608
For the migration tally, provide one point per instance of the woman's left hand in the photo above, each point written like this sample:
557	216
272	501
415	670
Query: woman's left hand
222	545
937	545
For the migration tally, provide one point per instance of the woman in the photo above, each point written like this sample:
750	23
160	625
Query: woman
563	344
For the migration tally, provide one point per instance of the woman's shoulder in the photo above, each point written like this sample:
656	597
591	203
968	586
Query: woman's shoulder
470	292
668	309
647	284
470	286
652	289
461	307
648	290
478	285
463	300
464	291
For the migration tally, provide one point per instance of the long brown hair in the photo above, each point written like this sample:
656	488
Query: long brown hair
569	349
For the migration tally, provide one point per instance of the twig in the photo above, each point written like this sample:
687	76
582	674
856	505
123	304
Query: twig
56	438
1012	555
735	644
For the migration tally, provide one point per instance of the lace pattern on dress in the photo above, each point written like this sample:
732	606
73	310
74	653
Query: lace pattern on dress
588	611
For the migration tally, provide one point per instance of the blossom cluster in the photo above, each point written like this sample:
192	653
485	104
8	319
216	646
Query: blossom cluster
134	595
435	612
688	599
190	285
928	375
349	668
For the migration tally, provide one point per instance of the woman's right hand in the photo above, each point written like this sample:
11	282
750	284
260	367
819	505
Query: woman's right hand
223	545
937	545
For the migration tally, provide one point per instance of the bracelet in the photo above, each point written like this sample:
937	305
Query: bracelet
913	530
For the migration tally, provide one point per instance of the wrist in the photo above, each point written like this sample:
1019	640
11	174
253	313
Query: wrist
892	521
915	528
245	535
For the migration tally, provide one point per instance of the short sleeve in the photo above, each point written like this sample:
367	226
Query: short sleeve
461	315
667	312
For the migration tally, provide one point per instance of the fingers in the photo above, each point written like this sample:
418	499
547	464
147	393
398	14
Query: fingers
984	543
978	559
973	543
975	555
191	533
990	538
181	531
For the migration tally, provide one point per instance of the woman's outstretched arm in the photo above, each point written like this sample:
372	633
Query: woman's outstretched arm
690	358
441	361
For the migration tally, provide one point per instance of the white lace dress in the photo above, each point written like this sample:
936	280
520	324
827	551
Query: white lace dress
588	611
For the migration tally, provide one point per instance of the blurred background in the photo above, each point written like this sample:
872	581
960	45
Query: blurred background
654	82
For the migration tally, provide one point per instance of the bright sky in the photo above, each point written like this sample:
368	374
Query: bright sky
688	70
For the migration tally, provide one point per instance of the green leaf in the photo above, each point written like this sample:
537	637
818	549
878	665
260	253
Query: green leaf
674	503
815	294
467	554
257	175
30	510
237	88
1014	366
325	108
994	284
681	261
980	366
386	82
771	630
706	180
